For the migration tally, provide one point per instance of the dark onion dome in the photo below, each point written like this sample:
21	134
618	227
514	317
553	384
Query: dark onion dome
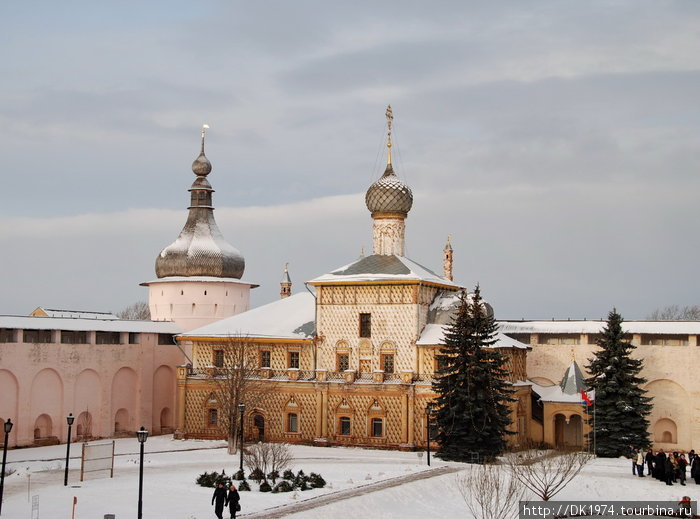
201	249
389	194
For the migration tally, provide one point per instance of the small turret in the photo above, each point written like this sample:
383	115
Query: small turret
286	283
447	260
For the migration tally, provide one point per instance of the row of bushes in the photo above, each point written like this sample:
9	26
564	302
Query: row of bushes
289	482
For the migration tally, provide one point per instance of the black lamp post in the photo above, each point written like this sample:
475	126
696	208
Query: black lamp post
141	434
428	412
8	427
69	419
241	408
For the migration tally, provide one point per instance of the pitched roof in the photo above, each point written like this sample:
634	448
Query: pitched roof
381	267
289	318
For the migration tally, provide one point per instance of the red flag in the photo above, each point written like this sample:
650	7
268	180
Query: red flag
584	397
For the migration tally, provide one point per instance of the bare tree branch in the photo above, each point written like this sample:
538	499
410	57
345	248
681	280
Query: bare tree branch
491	492
676	313
135	312
546	472
237	380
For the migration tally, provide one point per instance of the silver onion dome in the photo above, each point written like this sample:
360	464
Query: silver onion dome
200	249
389	194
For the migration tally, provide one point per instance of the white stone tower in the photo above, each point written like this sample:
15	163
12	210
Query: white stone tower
199	274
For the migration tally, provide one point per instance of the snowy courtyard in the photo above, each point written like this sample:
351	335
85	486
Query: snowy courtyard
360	479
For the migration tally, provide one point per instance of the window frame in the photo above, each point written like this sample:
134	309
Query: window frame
217	358
365	325
382	361
292	423
376	421
344	420
293	357
263	354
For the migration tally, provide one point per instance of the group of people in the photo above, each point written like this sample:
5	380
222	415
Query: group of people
222	499
669	468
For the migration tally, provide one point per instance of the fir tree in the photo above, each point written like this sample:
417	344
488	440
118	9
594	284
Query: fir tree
621	409
472	412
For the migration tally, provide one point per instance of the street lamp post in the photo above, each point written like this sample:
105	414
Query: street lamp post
241	408
141	434
69	419
428	412
8	427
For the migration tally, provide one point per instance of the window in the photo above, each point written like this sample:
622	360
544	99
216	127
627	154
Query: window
134	338
8	335
665	340
343	362
212	417
292	425
344	425
568	338
73	337
294	359
165	338
218	360
265	359
387	362
107	338
365	325
377	427
43	336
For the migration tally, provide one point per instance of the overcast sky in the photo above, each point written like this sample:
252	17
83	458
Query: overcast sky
558	142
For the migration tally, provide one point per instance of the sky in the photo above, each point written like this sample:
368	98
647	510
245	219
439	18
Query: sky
557	142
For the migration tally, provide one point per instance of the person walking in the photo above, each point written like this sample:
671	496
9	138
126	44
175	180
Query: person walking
219	500
233	501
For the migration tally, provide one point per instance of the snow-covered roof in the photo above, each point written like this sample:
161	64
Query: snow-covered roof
199	279
289	318
650	327
380	267
572	383
555	394
77	324
72	314
434	334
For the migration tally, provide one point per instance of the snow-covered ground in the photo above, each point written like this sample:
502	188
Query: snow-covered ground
171	467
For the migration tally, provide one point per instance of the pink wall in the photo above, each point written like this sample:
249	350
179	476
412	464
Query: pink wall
41	383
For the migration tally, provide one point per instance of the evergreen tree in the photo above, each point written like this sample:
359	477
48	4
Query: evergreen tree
621	409
472	412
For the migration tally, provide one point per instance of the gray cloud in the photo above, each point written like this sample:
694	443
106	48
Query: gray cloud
557	141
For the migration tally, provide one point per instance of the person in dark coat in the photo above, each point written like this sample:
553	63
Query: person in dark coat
219	500
660	466
649	458
669	470
695	469
232	501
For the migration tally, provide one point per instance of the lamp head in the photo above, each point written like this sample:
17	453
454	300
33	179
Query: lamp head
8	426
70	419
142	434
241	407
